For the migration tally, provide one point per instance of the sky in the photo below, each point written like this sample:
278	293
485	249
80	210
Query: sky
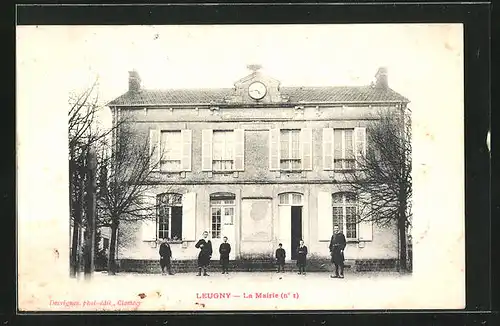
217	56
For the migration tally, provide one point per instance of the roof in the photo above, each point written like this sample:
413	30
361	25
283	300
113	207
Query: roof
339	94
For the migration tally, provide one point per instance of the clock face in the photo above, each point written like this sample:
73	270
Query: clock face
257	90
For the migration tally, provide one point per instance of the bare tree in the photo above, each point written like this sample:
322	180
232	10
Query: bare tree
125	176
84	132
382	178
124	167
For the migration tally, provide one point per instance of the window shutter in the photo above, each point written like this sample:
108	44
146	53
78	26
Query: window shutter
306	148
365	227
186	136
154	149
149	227
327	148
206	149
360	143
274	149
239	149
325	216
189	216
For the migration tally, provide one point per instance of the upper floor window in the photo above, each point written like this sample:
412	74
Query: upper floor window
171	148
290	149
342	148
223	150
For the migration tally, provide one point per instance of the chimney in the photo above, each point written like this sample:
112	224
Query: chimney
134	81
381	78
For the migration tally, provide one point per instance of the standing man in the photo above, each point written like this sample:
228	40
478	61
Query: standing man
280	258
165	256
224	250
337	246
205	254
302	257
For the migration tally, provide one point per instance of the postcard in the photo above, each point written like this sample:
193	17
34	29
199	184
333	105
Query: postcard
240	167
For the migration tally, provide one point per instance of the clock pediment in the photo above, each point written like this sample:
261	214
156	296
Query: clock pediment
256	88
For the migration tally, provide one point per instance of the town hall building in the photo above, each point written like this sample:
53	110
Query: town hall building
260	163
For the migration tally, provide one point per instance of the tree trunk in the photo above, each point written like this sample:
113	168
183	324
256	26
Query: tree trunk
402	244
74	240
74	248
90	210
112	249
77	220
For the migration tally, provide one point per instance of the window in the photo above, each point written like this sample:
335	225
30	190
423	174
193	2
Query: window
105	243
223	151
290	158
169	216
343	147
290	149
222	207
290	198
174	147
345	214
171	148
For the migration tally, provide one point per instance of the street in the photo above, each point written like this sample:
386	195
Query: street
235	291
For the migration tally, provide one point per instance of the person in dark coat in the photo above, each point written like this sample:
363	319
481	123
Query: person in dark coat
280	258
224	250
165	256
205	254
337	246
302	257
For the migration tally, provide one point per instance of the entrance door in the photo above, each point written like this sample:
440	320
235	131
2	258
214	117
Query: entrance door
296	230
290	223
222	215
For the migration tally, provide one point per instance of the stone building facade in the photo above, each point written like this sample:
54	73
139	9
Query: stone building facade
259	163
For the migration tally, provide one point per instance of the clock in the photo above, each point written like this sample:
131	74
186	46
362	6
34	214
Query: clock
257	90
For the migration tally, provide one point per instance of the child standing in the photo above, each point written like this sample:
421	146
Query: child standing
280	258
224	250
302	257
165	256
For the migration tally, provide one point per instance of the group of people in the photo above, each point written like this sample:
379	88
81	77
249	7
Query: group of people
204	256
336	247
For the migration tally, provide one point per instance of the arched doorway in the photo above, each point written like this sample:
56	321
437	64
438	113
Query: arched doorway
290	221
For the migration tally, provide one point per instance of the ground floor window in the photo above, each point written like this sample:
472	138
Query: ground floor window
222	207
290	198
105	243
169	216
345	213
